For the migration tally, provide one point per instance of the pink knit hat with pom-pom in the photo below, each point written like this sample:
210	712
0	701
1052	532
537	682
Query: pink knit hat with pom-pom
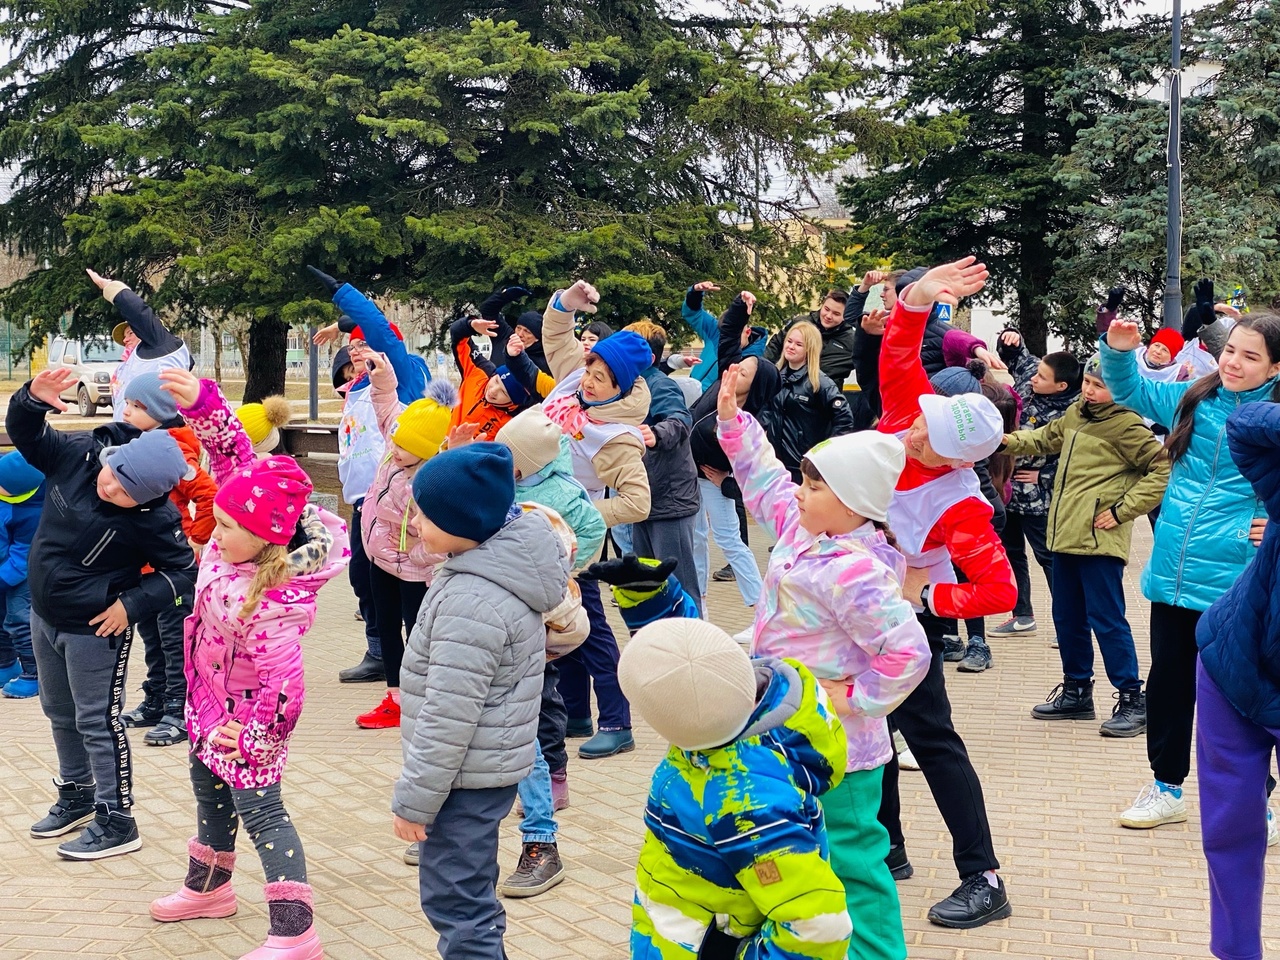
266	498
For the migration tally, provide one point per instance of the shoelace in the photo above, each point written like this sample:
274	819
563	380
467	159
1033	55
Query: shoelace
1148	797
1056	694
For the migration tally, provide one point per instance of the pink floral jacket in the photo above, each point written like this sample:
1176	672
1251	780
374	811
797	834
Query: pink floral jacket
833	603
250	670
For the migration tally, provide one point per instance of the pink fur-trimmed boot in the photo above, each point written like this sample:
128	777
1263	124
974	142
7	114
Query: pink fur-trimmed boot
293	933
207	890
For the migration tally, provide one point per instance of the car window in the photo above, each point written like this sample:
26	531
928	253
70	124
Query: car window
55	352
102	351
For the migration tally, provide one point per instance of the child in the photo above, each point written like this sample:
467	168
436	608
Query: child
262	422
21	500
471	685
1112	471
832	600
148	407
107	516
255	600
401	571
1238	705
491	395
735	857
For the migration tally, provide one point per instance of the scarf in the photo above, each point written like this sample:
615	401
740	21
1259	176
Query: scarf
568	414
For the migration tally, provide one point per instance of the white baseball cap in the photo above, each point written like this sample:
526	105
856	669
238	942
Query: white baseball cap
862	469
967	427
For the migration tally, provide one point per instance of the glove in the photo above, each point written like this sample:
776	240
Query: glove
514	293
330	284
1114	296
631	572
1204	293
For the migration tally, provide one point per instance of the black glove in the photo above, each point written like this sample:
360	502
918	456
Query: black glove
1114	297
1008	352
330	284
514	293
1204	293
631	572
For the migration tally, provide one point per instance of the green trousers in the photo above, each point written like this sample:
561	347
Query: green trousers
859	845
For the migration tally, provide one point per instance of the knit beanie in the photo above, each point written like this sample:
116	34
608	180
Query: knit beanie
515	389
690	681
262	422
862	469
1093	367
146	391
531	320
266	497
422	426
340	360
467	492
627	355
19	480
534	441
1170	339
148	467
953	381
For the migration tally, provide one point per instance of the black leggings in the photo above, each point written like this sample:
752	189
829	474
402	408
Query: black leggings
220	809
1171	691
395	602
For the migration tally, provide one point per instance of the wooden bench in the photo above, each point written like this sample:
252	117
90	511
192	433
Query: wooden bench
305	439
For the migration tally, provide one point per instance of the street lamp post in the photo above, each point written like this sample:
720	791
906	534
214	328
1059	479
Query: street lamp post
1173	229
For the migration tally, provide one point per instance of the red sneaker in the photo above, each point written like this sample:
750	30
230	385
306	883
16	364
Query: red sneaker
382	717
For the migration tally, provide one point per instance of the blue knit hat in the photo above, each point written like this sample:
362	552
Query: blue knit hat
148	467
627	355
146	391
953	381
467	492
515	389
18	479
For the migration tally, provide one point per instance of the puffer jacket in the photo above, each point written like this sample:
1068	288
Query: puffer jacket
1239	635
554	486
199	489
797	417
471	681
1109	460
1202	534
251	670
735	838
673	478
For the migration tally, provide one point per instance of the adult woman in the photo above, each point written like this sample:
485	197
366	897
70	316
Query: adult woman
809	407
1209	526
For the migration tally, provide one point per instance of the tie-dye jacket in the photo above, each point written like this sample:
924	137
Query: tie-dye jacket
833	603
735	836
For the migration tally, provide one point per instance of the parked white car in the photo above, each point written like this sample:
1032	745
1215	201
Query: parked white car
93	359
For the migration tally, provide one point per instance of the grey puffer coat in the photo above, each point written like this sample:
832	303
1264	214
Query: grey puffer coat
471	681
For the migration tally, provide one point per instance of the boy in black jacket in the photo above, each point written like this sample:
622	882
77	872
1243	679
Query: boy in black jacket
107	515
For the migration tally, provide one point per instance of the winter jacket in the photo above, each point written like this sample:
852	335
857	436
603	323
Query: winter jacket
199	490
554	486
1239	635
705	325
476	372
673	478
18	524
471	681
1038	410
611	459
837	347
1202	534
832	602
734	836
797	417
250	670
1109	460
955	527
158	348
88	553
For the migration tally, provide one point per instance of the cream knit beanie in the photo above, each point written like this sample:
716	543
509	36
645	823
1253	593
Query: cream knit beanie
690	680
534	441
862	469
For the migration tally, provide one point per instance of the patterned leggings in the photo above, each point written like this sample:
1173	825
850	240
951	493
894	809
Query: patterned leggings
220	809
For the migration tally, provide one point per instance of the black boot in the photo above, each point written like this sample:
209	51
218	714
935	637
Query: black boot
112	833
367	670
73	808
171	729
1069	700
146	714
1128	717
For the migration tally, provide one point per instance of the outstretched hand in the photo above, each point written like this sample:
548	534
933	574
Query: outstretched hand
461	435
1124	335
486	328
705	286
330	284
748	298
98	279
727	400
183	386
582	297
326	335
961	278
990	359
48	384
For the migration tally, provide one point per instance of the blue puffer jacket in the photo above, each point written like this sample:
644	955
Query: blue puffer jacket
1239	636
1202	537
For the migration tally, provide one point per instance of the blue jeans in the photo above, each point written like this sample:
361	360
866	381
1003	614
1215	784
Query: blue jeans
15	635
539	823
1088	595
721	514
622	537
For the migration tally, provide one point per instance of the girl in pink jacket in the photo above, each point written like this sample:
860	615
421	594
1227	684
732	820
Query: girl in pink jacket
832	599
270	554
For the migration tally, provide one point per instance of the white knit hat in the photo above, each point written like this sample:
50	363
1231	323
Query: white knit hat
690	680
862	469
967	427
534	441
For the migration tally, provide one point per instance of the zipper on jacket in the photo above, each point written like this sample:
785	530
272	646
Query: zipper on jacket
101	545
1186	537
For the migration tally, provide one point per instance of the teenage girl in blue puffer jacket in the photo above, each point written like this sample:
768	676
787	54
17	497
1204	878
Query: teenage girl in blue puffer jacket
1209	526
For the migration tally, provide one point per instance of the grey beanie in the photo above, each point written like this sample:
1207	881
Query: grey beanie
147	391
148	467
1093	367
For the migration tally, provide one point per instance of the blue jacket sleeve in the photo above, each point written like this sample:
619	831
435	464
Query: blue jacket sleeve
707	327
1153	400
19	533
1253	432
410	382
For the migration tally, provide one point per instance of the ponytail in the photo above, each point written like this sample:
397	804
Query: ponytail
1179	441
888	534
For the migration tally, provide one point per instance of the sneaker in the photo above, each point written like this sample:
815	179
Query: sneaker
111	834
725	574
1273	833
977	656
607	743
1128	716
907	760
412	854
12	672
170	730
146	714
73	808
1014	626
21	688
1069	700
952	649
974	903
559	790
579	729
1155	806
366	671
745	636
899	742
539	870
1053	643
384	716
898	863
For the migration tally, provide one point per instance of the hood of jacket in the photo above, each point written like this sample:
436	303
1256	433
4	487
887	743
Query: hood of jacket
525	558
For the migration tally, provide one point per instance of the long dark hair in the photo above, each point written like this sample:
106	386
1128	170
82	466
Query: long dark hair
809	470
1267	324
1000	465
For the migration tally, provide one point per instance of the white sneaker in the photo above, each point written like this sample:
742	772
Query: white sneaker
744	637
1273	832
899	742
907	760
1153	808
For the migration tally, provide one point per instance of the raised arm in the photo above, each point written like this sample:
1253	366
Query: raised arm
142	320
1045	441
563	349
767	488
25	423
902	379
729	332
210	416
411	382
1152	399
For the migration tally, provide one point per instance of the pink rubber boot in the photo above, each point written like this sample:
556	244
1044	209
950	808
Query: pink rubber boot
207	890
293	933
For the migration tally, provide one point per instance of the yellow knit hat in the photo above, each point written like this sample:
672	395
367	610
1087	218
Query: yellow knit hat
261	421
422	426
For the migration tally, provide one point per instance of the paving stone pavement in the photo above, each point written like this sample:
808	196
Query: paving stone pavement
1081	886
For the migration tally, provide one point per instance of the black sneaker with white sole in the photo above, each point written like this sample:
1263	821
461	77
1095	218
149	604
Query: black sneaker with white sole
724	575
111	834
952	648
539	870
898	863
974	903
73	809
